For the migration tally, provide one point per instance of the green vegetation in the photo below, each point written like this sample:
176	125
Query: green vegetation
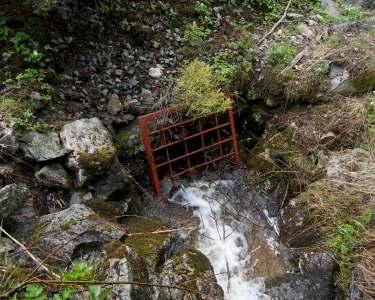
344	242
168	9
350	12
32	78
280	54
101	159
236	62
195	33
198	92
205	14
20	114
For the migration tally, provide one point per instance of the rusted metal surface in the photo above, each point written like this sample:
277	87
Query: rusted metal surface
175	146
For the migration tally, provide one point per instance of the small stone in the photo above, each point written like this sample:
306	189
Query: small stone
114	105
295	16
305	31
155	44
155	73
118	72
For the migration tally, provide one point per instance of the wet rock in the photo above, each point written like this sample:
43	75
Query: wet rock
42	147
73	229
189	267
8	141
114	105
92	148
53	176
155	73
12	198
314	286
305	30
114	180
318	262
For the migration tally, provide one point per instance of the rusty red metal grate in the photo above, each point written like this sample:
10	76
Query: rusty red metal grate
176	146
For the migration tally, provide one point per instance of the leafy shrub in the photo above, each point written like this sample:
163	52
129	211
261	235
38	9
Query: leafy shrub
194	33
197	90
35	292
351	13
205	14
280	54
236	62
344	242
168	10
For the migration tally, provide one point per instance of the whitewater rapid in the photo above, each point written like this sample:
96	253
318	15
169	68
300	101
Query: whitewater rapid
221	238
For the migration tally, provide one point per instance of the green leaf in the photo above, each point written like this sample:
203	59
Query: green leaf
35	292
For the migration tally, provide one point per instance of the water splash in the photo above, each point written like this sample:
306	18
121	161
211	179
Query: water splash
221	239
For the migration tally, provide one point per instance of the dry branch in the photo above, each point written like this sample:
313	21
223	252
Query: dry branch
32	256
276	24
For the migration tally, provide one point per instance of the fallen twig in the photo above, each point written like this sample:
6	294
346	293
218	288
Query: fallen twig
276	24
32	256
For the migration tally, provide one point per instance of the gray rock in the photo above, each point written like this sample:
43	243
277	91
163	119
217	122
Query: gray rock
92	148
36	100
314	286
53	176
42	147
12	197
305	30
8	141
182	268
331	8
155	73
115	179
114	105
71	229
6	246
81	198
340	80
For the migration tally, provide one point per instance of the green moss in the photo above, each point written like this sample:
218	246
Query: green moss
193	261
365	82
38	231
106	209
198	92
147	244
115	249
97	161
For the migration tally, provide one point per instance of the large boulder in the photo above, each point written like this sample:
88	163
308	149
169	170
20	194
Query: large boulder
42	147
12	197
92	148
191	269
53	175
72	230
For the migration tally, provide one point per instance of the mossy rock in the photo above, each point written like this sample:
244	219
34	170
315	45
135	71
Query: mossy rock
110	210
145	240
97	161
192	270
365	82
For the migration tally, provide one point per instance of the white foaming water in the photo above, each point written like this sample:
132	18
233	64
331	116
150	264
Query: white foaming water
223	242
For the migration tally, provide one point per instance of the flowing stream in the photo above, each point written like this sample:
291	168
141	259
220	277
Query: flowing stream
222	238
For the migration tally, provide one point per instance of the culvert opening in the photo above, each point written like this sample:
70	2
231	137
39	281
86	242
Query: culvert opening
177	145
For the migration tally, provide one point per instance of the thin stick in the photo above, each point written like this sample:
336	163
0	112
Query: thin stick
34	258
276	24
